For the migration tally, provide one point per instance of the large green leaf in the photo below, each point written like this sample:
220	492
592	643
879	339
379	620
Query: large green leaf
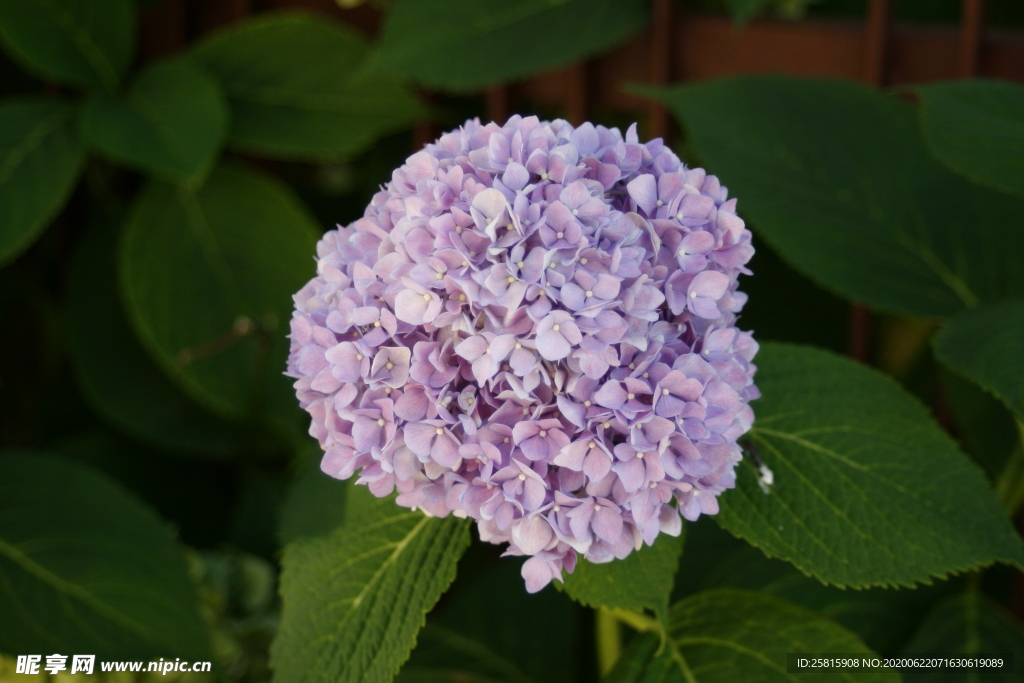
170	124
86	568
78	42
355	599
836	177
290	83
114	372
967	624
882	617
732	635
498	40
208	278
986	345
868	491
976	127
40	159
641	581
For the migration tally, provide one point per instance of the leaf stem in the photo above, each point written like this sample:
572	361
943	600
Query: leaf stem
635	620
609	640
642	622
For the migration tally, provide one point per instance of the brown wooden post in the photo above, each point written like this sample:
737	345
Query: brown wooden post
497	104
422	134
876	38
972	21
163	29
576	93
661	61
224	13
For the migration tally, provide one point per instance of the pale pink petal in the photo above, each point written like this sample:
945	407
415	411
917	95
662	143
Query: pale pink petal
644	191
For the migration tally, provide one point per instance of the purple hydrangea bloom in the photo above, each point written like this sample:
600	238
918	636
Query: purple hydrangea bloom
533	325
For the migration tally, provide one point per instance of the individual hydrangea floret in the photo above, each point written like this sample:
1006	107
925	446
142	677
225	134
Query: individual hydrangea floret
533	325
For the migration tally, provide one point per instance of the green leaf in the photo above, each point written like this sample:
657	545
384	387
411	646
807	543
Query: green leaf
170	124
354	600
986	345
868	491
968	624
976	127
40	160
729	635
314	504
881	617
113	370
732	635
78	42
506	39
208	278
641	581
289	81
836	177
86	568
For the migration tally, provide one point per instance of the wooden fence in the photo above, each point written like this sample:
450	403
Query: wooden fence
682	46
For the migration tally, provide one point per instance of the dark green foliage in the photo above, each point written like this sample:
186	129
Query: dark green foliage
207	277
986	345
883	618
641	581
733	635
977	129
171	123
294	93
967	624
728	635
981	422
40	160
464	641
78	42
770	312
123	383
867	490
474	43
165	285
836	177
86	568
313	506
646	661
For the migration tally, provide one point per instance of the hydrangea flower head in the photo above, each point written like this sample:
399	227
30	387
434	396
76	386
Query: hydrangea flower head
533	325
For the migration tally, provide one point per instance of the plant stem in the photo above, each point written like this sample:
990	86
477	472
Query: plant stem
609	640
642	622
635	620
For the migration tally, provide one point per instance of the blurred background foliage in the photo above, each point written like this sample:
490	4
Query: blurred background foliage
166	167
